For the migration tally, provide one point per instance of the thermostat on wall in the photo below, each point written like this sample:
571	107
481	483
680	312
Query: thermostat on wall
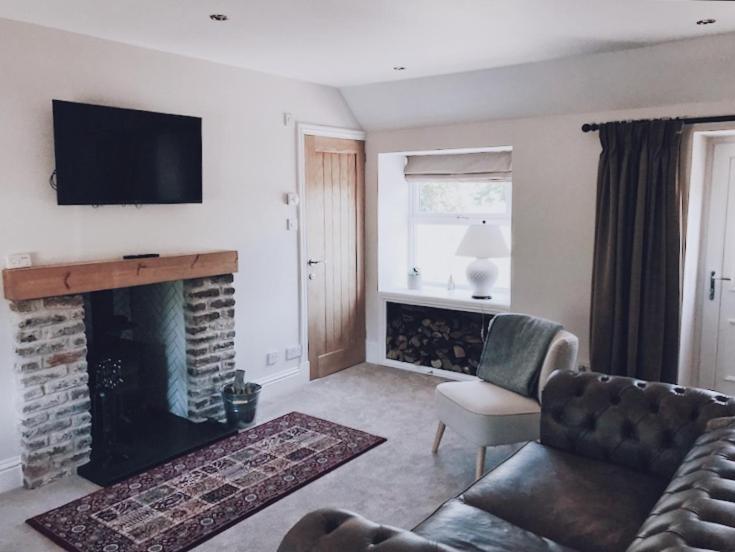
18	260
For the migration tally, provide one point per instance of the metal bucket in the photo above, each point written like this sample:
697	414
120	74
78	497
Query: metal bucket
240	408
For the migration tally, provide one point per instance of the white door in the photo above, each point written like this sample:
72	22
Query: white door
718	323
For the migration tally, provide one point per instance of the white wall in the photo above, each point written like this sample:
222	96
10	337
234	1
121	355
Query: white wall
249	163
554	191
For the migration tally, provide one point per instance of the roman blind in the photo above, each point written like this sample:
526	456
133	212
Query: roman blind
496	166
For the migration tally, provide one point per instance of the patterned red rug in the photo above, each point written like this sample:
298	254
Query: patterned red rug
186	501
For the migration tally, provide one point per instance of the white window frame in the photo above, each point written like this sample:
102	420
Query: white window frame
458	219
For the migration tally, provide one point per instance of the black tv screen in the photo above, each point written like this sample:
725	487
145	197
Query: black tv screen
113	156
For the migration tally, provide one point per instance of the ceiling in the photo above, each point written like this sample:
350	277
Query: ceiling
350	42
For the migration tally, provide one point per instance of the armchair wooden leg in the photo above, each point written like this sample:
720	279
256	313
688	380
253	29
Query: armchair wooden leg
480	463
438	439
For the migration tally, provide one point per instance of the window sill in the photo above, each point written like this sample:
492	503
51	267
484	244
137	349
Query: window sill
458	299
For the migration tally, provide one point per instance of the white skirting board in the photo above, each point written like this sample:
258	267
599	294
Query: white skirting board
285	380
11	476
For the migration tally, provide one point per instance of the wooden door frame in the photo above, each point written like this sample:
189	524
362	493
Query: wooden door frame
302	130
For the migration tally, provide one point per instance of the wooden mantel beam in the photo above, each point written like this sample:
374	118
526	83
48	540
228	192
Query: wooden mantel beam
38	282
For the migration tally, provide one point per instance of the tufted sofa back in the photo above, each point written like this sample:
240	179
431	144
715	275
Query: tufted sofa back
646	426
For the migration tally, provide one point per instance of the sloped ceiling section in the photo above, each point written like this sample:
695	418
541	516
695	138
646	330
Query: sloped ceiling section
696	70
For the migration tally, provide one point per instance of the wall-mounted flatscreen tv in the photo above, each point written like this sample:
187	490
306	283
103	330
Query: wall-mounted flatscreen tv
114	156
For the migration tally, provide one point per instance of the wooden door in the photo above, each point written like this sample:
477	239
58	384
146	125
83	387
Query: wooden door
335	209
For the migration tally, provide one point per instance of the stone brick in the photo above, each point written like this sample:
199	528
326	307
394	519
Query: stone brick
223	279
82	431
29	336
201	351
215	412
83	443
203	293
223	346
34	419
203	361
79	393
219	325
78	368
26	306
76	315
41	319
222	303
35	443
196	330
40	349
45	402
71	409
79	341
195	283
44	454
228	291
69	357
61	437
81	419
202	371
61	331
41	377
66	383
32	393
46	428
63	302
28	367
195	307
199	319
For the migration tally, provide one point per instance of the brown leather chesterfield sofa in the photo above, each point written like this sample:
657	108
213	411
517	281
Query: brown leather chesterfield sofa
622	464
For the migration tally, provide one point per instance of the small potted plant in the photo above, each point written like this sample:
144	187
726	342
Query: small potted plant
241	400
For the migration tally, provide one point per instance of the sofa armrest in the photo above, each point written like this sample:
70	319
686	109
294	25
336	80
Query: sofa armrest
329	530
697	509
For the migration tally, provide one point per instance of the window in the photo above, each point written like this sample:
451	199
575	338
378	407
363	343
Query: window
439	213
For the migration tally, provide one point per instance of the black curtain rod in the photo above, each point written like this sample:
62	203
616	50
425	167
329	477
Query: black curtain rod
591	127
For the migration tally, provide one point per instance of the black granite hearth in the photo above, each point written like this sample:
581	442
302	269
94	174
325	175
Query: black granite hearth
162	437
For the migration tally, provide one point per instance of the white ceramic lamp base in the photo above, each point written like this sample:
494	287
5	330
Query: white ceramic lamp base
482	274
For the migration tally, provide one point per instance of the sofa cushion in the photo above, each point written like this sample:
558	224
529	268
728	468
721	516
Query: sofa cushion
575	501
484	413
647	426
467	528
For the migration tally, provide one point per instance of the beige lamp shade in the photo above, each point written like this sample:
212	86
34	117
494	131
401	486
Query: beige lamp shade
483	241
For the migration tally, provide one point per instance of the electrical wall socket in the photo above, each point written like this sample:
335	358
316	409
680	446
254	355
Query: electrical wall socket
293	352
18	260
271	358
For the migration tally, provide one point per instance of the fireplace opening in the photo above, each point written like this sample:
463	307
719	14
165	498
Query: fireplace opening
137	365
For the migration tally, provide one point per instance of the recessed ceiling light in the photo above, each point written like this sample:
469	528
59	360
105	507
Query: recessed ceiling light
399	68
707	21
218	17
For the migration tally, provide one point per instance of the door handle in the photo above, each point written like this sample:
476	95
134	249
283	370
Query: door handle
311	262
712	279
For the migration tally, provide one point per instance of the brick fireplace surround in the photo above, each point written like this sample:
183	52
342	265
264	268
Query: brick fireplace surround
51	371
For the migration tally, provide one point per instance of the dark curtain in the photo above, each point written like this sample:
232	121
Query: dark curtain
636	290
